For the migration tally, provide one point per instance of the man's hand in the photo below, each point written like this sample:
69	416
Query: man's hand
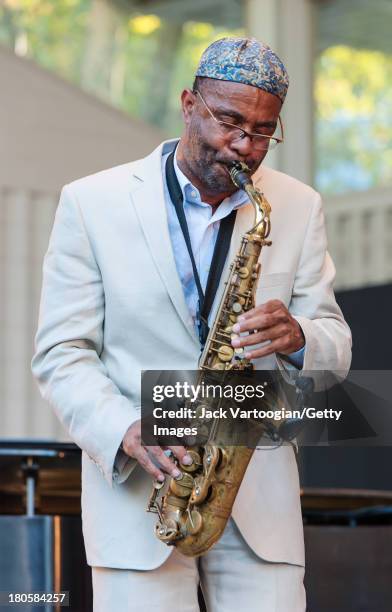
270	323
132	446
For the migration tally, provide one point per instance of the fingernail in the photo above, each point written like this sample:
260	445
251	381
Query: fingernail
247	355
161	478
187	460
176	473
236	328
235	342
240	318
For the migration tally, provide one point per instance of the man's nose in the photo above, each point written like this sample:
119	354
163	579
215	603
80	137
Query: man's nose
242	146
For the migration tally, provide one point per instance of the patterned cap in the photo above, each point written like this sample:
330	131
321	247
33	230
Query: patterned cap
245	60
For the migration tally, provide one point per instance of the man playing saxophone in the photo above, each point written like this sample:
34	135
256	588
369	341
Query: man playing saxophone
122	287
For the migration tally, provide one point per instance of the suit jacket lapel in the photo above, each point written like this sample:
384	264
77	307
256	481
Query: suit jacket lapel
148	199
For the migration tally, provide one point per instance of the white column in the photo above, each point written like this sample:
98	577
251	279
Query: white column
103	22
16	300
261	21
26	218
43	422
287	26
3	355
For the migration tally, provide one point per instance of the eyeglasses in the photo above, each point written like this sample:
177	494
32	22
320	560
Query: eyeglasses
261	142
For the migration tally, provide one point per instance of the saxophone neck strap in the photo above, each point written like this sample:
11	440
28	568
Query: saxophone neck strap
222	245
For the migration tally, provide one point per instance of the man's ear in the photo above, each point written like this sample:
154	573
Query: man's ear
188	100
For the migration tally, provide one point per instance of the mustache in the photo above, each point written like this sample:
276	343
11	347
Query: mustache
210	154
252	165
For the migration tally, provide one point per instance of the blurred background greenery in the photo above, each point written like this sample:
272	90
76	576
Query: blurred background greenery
139	61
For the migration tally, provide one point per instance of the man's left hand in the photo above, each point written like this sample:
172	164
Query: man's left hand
270	323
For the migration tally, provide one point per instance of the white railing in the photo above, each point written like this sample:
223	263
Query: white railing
359	227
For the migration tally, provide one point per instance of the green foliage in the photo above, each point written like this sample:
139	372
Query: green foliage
53	31
353	119
142	72
144	63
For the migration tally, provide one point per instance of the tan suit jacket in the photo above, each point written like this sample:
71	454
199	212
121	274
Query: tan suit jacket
112	305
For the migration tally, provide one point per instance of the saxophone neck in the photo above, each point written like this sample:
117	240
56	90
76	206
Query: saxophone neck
262	210
240	175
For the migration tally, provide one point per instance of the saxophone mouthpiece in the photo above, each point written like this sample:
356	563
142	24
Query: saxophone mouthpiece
240	174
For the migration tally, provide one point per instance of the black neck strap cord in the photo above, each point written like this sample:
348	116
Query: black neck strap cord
220	251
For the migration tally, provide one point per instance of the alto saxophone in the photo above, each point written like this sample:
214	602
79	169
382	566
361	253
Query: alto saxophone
193	509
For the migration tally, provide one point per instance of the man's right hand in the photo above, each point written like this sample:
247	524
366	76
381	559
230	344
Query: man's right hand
132	446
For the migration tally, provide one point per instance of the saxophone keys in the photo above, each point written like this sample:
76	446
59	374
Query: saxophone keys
157	484
239	350
223	458
168	531
236	307
183	486
194	522
219	366
225	353
152	505
201	489
195	463
243	272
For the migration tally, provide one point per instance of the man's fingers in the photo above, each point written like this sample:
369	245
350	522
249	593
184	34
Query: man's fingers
164	461
145	462
261	321
181	454
264	351
147	455
272	333
266	308
280	345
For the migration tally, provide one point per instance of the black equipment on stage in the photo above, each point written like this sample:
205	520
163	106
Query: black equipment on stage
348	543
41	544
348	535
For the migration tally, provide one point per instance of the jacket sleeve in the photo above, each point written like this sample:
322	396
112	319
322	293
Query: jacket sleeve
69	342
313	304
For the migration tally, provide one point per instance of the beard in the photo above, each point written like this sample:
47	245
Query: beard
211	165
